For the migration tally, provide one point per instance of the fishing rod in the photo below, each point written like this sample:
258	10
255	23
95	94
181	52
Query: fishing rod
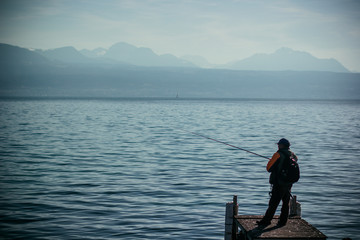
212	139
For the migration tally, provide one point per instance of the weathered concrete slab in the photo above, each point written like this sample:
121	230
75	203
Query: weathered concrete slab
296	228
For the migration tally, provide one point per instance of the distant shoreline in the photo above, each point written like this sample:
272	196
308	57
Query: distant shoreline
90	98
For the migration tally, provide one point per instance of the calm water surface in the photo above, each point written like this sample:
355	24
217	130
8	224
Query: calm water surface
126	169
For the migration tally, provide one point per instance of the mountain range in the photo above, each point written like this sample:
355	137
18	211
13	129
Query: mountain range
284	59
127	71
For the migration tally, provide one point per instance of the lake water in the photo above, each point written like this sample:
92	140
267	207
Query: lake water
126	169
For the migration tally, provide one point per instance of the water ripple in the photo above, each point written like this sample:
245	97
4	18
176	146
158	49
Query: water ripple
75	169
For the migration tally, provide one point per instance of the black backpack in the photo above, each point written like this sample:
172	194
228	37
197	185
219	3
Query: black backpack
289	171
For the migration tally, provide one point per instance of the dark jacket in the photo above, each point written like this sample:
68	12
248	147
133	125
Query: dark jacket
275	163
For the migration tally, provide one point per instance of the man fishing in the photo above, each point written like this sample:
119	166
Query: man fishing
280	189
284	172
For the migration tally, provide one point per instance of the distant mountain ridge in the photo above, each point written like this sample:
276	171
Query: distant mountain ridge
284	59
21	56
287	59
66	72
121	52
98	52
64	54
143	56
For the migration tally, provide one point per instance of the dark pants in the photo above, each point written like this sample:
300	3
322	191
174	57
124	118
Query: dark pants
278	193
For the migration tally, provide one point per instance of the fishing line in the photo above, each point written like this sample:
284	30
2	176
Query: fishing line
212	139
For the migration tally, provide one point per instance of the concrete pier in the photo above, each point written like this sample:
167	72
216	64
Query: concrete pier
244	227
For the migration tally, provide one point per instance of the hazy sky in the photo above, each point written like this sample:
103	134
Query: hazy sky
221	31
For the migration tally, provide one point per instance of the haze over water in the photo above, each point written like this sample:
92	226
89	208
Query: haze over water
125	169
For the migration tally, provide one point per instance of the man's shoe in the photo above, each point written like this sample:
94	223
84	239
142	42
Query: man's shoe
262	223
